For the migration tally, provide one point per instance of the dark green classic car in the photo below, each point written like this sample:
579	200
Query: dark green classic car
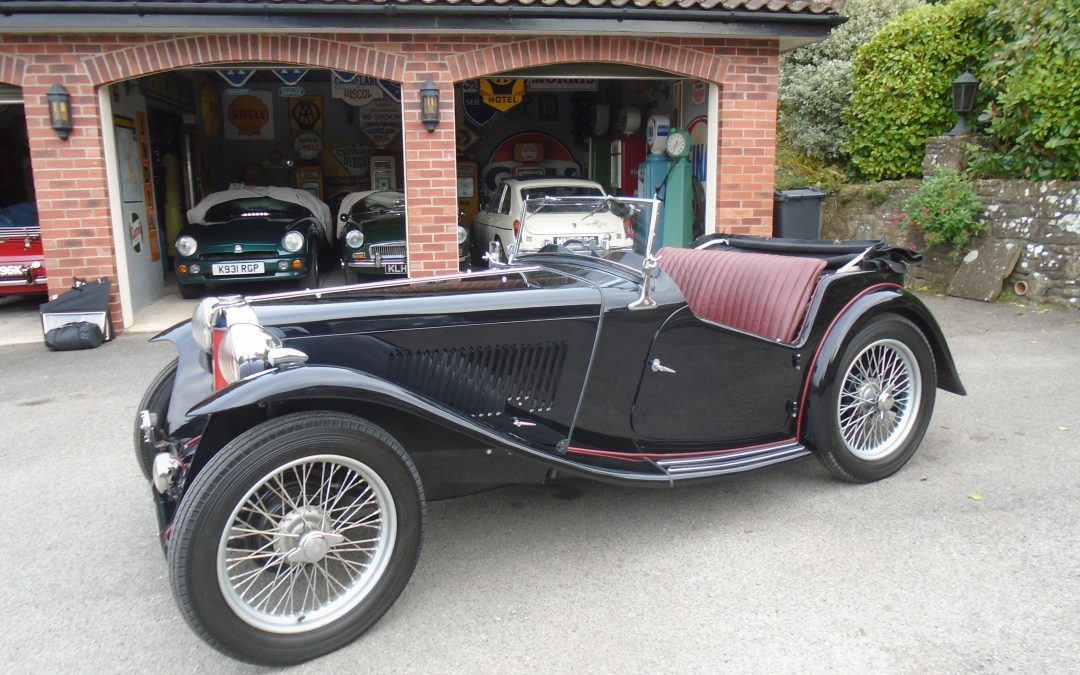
252	234
371	235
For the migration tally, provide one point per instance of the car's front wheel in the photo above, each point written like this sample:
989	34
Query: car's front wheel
868	422
296	537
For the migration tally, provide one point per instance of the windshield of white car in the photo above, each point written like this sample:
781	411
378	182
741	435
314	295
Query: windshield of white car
536	198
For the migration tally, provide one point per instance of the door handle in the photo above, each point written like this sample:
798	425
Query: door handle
658	367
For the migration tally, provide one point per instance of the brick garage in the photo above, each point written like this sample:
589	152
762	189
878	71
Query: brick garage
70	176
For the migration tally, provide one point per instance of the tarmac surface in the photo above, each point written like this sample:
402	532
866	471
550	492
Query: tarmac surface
966	560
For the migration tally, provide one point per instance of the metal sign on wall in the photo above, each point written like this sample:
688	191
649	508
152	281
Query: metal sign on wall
305	114
563	84
249	117
360	91
476	113
381	121
502	93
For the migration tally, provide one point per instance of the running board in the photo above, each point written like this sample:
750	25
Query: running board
731	462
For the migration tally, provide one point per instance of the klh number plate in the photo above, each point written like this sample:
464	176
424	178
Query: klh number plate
232	269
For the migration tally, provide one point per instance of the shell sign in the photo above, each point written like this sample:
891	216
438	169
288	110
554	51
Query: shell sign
249	116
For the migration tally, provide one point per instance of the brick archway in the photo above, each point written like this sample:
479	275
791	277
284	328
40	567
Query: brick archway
678	60
149	58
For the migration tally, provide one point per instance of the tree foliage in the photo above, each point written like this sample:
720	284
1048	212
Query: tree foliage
815	81
1032	90
901	84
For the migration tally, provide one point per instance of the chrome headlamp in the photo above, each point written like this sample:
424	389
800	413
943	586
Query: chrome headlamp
293	241
220	312
462	235
244	351
186	246
202	323
248	349
354	238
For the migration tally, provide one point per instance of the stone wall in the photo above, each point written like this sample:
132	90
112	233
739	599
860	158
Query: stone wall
1042	217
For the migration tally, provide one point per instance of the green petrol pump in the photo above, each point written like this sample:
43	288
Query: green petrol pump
678	213
667	173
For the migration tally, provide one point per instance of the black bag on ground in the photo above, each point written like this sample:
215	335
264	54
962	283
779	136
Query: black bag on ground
67	320
78	335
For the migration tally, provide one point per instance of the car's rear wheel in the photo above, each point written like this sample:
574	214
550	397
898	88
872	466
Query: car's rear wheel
155	400
868	422
296	537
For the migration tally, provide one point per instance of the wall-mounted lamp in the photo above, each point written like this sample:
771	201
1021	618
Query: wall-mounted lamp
60	110
963	102
429	105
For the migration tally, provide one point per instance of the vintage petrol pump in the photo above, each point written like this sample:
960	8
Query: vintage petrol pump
678	212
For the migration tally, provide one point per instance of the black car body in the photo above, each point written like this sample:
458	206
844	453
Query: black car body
292	422
371	236
253	234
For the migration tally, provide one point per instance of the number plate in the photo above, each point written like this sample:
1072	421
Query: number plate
11	271
232	269
592	241
396	268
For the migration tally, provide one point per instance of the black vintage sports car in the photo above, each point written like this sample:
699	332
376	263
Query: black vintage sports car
293	443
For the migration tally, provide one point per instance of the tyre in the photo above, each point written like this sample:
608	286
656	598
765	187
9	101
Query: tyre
156	400
869	420
351	276
296	537
191	291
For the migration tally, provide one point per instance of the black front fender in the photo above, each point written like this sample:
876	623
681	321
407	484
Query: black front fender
321	383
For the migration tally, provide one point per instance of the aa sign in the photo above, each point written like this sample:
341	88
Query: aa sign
502	93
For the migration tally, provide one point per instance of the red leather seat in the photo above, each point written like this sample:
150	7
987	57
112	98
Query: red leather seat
759	293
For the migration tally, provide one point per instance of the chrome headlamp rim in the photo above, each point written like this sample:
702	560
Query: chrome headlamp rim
293	241
354	238
202	323
245	351
186	245
462	235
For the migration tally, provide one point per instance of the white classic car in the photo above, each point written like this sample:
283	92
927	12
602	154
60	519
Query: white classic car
588	223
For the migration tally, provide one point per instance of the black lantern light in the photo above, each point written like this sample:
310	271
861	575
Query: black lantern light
429	105
963	101
60	110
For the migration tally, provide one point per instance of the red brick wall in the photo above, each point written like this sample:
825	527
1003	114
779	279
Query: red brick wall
70	175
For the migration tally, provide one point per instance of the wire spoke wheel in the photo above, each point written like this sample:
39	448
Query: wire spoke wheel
871	417
306	544
296	537
880	392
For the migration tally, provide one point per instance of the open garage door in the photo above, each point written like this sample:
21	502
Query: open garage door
228	161
22	258
606	123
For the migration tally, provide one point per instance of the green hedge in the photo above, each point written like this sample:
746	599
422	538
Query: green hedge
1033	91
901	84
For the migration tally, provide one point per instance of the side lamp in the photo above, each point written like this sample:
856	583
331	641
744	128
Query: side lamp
429	105
60	111
964	89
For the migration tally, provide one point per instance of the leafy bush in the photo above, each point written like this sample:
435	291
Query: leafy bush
1033	91
815	80
901	84
946	209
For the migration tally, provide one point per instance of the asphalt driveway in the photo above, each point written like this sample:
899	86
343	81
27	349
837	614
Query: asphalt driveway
967	560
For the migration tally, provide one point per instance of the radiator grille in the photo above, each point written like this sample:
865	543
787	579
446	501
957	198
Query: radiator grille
482	381
387	250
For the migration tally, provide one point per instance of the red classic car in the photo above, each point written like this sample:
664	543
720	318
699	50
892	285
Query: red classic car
22	259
